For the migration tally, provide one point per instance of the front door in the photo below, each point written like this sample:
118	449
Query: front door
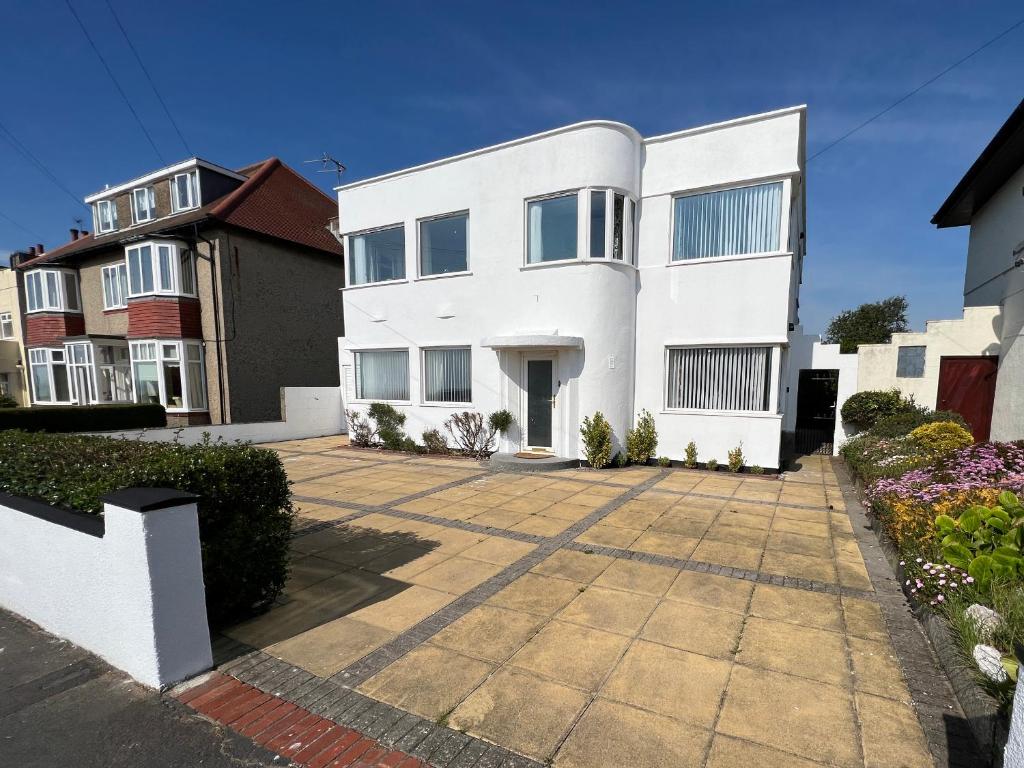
816	411
967	385
539	403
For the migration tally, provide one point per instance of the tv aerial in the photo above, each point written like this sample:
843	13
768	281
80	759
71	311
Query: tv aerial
329	165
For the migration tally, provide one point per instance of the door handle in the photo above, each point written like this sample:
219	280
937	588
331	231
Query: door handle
552	401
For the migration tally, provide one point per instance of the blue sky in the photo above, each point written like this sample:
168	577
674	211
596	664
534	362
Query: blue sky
386	85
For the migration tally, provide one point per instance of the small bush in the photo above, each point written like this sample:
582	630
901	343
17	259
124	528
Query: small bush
664	461
389	426
435	442
863	409
642	440
361	433
941	437
756	470
245	514
711	465
472	433
83	418
620	460
736	458
691	455
597	440
901	424
501	421
6	401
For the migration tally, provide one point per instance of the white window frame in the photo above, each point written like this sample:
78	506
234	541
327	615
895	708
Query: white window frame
116	276
137	216
774	371
582	223
785	212
629	204
181	347
47	355
423	374
159	288
193	191
6	325
111	206
350	252
355	371
45	305
419	246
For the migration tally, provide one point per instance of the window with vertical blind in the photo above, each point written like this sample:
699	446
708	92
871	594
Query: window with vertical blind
719	378
729	222
447	375
382	374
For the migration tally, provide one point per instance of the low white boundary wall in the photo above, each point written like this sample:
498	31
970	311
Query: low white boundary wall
305	411
127	586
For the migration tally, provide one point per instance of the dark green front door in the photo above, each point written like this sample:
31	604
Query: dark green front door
539	391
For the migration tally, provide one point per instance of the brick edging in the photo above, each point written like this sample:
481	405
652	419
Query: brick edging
990	728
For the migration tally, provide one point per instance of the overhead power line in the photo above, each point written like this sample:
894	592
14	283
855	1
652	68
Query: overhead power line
145	71
26	153
22	227
921	87
113	79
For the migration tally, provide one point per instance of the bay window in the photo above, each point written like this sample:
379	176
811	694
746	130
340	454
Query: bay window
612	218
375	257
114	367
49	374
184	191
729	222
551	228
143	204
170	373
447	375
719	378
382	374
106	216
115	286
52	290
158	267
597	224
444	245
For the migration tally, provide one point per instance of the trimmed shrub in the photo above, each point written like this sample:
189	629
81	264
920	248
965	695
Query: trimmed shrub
711	465
83	418
863	409
500	421
691	455
434	442
900	424
664	461
389	426
757	469
642	440
597	440
245	512
736	458
941	437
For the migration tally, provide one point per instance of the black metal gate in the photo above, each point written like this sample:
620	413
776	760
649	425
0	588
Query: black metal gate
816	411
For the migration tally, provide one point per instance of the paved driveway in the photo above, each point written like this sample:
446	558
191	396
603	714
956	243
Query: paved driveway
641	617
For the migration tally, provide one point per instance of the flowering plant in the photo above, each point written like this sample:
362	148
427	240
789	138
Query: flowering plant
934	582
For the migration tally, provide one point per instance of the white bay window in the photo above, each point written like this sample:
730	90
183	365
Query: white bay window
160	267
52	290
170	373
49	373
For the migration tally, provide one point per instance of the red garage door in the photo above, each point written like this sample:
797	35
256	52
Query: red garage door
967	385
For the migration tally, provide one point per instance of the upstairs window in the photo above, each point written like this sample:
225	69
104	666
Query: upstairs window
106	216
143	204
910	362
6	325
160	268
552	231
184	192
376	257
444	245
115	286
730	222
52	290
597	224
719	378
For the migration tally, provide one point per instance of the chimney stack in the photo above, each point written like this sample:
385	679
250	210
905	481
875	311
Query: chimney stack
39	248
74	234
31	251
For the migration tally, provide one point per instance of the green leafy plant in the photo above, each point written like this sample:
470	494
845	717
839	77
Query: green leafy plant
941	437
84	418
905	422
711	465
245	512
872	323
664	461
620	460
389	425
691	455
435	442
501	421
985	541
597	440
642	440
6	401
863	409
361	433
736	458
756	470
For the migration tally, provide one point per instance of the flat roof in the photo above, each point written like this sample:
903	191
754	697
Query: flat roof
184	165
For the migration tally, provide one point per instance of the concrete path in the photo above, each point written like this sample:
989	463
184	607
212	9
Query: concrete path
61	706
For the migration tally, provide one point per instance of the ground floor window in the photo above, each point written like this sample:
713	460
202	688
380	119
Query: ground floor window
719	378
447	375
49	371
382	374
170	373
98	373
5	385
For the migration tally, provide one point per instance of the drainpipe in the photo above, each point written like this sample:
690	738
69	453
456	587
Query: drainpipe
216	315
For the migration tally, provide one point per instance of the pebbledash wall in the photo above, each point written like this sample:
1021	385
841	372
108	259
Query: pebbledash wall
605	324
127	586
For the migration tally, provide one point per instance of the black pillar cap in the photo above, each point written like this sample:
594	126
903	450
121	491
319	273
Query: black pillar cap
148	499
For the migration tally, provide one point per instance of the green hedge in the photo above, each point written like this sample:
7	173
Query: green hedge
245	512
83	418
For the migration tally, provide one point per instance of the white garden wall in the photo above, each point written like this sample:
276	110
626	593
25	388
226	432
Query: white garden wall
127	586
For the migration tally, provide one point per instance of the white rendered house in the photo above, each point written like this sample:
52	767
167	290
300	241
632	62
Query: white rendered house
585	269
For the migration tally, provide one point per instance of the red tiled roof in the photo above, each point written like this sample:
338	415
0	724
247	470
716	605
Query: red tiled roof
274	200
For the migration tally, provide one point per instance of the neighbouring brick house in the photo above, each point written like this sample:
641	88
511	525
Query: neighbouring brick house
202	288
